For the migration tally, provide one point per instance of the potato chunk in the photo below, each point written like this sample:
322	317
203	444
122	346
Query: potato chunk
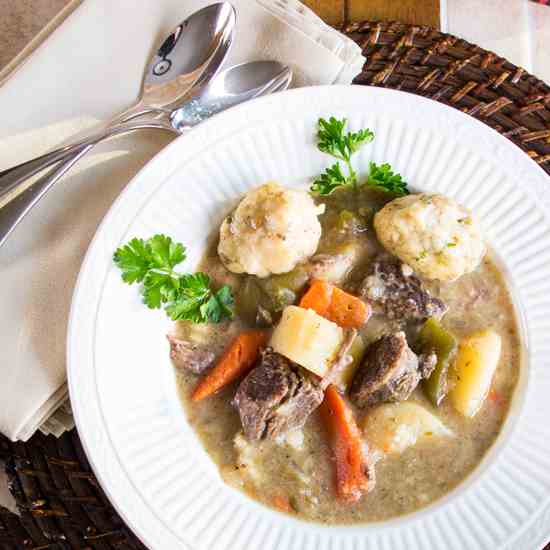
476	363
392	428
357	351
307	339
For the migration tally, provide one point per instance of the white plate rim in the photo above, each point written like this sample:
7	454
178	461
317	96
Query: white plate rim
297	96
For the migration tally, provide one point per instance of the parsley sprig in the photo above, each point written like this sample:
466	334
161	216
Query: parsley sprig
383	177
184	296
333	140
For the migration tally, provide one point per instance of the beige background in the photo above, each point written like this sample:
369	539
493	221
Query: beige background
522	34
20	21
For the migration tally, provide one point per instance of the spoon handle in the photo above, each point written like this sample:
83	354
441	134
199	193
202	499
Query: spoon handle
17	207
14	177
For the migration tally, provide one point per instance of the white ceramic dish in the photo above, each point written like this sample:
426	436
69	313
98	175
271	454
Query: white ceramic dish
122	384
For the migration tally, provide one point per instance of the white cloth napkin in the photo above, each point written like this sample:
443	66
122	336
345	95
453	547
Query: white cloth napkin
518	30
89	69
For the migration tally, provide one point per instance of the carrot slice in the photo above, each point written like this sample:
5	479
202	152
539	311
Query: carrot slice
318	297
235	362
282	503
334	304
347	311
347	447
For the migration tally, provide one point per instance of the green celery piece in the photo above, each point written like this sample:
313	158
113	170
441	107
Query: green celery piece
433	337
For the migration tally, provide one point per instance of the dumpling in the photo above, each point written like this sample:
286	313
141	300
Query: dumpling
433	234
271	231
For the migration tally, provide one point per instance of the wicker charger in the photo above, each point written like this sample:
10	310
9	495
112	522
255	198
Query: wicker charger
61	504
452	71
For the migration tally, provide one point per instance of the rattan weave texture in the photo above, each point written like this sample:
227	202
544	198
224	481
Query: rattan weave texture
447	69
62	506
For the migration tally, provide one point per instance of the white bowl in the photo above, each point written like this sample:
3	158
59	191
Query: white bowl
122	384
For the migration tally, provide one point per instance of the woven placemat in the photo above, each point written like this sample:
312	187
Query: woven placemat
447	69
61	504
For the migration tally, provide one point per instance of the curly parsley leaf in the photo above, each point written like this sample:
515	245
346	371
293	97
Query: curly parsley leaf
185	296
354	140
160	286
329	180
166	253
219	306
134	259
198	303
333	140
194	292
330	137
383	177
138	257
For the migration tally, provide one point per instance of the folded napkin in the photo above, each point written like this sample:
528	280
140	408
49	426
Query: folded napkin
87	70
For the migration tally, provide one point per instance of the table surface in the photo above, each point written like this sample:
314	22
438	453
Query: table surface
21	20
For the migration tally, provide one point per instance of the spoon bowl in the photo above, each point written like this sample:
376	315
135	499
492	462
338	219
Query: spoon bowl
247	78
187	59
225	90
185	62
230	87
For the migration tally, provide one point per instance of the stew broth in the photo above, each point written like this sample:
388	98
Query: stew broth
299	467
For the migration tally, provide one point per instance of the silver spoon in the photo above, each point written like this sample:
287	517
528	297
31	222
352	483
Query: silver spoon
231	87
187	59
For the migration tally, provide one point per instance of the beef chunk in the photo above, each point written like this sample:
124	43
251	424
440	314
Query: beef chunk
189	357
389	372
276	396
394	290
